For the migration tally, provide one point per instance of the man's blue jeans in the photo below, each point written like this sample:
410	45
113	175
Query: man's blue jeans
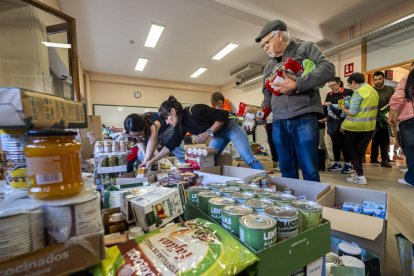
407	141
296	142
236	134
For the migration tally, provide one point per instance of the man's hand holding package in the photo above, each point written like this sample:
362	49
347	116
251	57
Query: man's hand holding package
288	86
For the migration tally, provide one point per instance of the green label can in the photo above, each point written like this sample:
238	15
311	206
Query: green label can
234	183
204	197
215	206
280	198
216	186
264	193
258	231
230	217
259	205
249	187
192	193
227	191
241	197
310	214
287	221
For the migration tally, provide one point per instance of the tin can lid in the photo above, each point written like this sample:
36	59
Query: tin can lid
234	183
242	195
230	189
350	248
278	196
237	210
258	203
222	201
51	132
209	194
217	185
198	188
333	259
257	221
281	211
307	205
352	262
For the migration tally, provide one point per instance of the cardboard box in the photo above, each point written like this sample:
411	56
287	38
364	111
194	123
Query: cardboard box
367	231
265	160
126	196
75	255
89	135
27	109
157	208
221	174
313	190
129	180
225	159
287	256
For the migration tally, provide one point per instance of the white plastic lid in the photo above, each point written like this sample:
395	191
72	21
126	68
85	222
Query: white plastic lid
352	262
117	217
136	230
350	248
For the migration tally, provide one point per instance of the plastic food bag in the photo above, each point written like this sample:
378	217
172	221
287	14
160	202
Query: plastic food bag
195	247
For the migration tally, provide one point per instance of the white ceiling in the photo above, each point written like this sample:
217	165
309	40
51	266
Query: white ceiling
197	29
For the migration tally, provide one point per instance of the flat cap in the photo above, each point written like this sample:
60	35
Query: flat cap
275	25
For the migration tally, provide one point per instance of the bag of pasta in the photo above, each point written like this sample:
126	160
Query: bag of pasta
195	247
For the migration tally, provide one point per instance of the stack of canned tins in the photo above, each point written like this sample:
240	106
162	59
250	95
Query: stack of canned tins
255	212
12	144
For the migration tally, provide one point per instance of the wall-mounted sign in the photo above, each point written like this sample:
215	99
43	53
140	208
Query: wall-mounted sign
348	69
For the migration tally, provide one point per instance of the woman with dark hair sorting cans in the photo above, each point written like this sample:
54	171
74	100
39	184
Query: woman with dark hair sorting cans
205	122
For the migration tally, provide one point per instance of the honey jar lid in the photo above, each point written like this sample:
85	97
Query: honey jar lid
51	132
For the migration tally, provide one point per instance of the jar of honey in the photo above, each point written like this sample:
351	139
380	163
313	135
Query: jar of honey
53	164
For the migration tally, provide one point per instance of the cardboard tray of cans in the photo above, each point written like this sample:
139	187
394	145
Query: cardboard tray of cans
287	256
77	254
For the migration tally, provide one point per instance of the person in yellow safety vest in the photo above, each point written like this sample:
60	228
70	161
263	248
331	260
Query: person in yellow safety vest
359	124
218	101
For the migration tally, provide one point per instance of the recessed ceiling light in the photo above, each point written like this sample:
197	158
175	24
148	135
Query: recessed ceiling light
154	35
141	64
197	73
57	45
230	47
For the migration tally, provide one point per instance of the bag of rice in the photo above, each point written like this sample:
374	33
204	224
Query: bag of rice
194	247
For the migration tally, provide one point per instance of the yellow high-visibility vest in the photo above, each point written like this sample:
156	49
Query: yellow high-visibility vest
365	119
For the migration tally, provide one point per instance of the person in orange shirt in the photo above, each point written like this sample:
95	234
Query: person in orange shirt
218	101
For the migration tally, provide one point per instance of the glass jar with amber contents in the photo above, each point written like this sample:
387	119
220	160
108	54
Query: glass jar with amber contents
53	164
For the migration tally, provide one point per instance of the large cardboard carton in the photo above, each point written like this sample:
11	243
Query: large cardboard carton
313	190
27	109
367	231
401	218
157	208
90	135
75	255
265	160
221	174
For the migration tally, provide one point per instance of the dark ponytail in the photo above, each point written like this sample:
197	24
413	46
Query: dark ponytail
136	123
167	105
409	87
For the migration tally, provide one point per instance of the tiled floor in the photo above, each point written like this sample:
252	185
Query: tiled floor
381	179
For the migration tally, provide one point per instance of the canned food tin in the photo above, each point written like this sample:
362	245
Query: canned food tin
287	221
112	160
282	198
259	205
230	217
258	231
192	193
78	215
287	190
123	146
107	146
115	146
227	191
236	183
264	192
265	182
215	206
99	147
241	197
204	197
310	214
249	187
216	186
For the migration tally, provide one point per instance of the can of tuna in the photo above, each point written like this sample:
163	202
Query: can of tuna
241	197
310	214
204	197
227	191
192	193
230	217
216	186
282	198
287	221
265	182
249	187
259	205
236	183
216	204
258	231
264	192
74	216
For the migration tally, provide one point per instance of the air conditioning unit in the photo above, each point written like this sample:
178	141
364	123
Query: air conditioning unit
246	71
250	81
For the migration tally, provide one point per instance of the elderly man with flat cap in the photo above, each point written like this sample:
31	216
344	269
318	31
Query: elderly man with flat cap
297	102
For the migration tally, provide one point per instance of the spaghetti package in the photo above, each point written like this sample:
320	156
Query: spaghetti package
195	247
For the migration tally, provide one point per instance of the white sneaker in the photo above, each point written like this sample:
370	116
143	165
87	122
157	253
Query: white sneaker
362	180
402	181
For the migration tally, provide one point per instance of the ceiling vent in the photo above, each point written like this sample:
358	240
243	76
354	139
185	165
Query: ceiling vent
247	74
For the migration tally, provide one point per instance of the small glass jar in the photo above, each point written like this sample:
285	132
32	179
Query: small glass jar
116	223
53	164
